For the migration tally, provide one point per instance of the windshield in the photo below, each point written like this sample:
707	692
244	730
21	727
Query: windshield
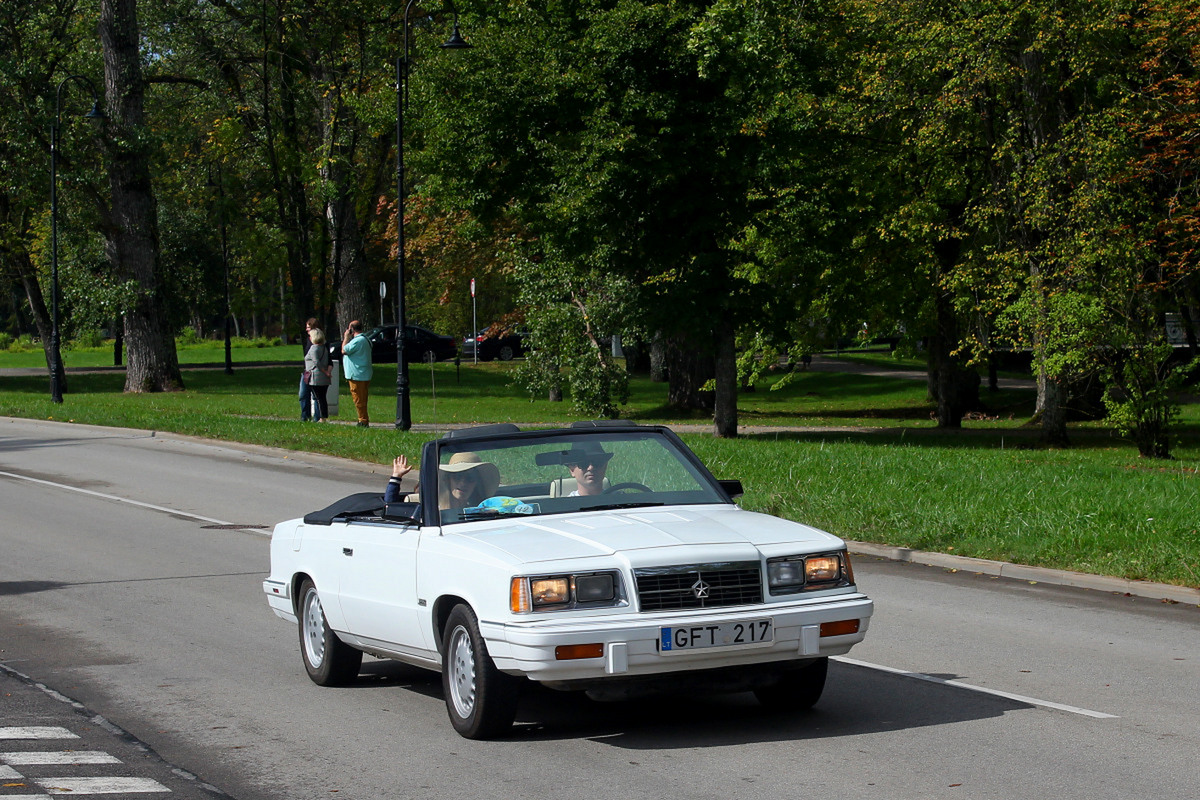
567	474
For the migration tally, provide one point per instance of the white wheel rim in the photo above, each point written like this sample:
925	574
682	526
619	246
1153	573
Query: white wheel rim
461	672
314	630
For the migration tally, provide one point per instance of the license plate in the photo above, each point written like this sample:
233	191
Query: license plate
726	634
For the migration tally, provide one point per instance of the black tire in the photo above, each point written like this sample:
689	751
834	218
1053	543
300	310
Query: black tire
480	699
328	660
507	353
796	690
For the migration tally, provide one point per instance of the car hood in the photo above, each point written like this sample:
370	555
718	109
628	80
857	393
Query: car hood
588	535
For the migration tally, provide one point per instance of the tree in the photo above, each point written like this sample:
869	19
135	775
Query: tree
40	46
132	229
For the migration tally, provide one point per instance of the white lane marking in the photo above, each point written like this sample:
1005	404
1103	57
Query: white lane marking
31	758
9	774
116	499
36	732
1033	701
62	786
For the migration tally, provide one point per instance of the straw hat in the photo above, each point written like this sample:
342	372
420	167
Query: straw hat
487	472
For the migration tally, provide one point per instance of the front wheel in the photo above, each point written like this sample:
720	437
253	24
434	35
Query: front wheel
328	660
481	700
796	690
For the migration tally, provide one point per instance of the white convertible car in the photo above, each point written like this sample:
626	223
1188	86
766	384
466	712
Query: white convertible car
602	557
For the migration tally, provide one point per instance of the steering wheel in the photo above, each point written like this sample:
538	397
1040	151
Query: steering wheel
616	487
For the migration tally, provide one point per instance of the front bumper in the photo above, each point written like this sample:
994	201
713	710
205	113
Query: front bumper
631	641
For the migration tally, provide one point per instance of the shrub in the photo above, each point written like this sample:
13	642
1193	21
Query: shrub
88	337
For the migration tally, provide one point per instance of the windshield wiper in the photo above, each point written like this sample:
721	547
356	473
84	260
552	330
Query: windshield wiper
614	506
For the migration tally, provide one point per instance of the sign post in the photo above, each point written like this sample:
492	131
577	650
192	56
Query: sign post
474	323
382	294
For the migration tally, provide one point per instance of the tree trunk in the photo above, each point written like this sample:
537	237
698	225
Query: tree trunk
688	371
132	230
658	359
283	146
37	304
954	389
1052	409
347	262
725	410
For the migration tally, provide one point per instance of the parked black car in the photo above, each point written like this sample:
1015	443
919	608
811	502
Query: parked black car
419	344
493	344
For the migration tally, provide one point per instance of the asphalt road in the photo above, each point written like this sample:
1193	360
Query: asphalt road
131	585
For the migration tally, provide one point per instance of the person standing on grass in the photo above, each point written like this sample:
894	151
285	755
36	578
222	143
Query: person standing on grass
305	391
318	368
356	358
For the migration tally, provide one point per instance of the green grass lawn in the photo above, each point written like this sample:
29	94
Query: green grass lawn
868	462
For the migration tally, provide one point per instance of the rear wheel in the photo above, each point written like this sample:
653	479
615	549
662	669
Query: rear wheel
796	690
328	660
481	700
507	353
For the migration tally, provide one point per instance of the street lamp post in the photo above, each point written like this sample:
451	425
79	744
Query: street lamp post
455	42
95	113
225	266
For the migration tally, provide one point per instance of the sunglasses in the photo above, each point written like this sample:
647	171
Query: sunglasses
598	461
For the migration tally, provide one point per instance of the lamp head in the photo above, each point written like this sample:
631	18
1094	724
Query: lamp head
96	112
456	41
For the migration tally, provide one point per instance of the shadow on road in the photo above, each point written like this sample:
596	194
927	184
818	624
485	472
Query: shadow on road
857	701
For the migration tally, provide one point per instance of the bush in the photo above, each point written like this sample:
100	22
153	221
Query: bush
188	336
6	341
87	338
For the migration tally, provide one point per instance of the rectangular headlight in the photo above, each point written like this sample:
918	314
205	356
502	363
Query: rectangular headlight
785	574
595	588
791	574
560	592
550	591
822	569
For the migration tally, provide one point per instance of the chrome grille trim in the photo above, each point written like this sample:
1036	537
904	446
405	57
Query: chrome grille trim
691	586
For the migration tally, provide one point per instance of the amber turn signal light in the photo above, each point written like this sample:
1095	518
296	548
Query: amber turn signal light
841	628
567	652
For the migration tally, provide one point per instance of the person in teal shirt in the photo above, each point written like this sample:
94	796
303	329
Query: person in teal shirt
356	361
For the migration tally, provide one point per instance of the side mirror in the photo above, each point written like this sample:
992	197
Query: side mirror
733	488
406	513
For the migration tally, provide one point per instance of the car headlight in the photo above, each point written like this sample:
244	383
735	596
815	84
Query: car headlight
556	592
791	574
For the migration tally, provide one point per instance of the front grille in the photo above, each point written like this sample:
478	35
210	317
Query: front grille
699	586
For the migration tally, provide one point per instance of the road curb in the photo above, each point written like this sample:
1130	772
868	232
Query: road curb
1054	577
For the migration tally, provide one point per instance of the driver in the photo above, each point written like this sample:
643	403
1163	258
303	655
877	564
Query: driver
587	462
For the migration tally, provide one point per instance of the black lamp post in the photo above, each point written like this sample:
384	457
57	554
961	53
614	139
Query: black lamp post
95	113
225	266
455	42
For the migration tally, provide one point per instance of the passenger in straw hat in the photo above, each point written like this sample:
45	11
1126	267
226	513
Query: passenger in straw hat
464	481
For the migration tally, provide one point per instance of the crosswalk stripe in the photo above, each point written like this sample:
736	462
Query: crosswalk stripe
75	786
60	757
8	774
36	732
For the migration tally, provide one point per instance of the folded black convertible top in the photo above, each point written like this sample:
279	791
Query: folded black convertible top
355	505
